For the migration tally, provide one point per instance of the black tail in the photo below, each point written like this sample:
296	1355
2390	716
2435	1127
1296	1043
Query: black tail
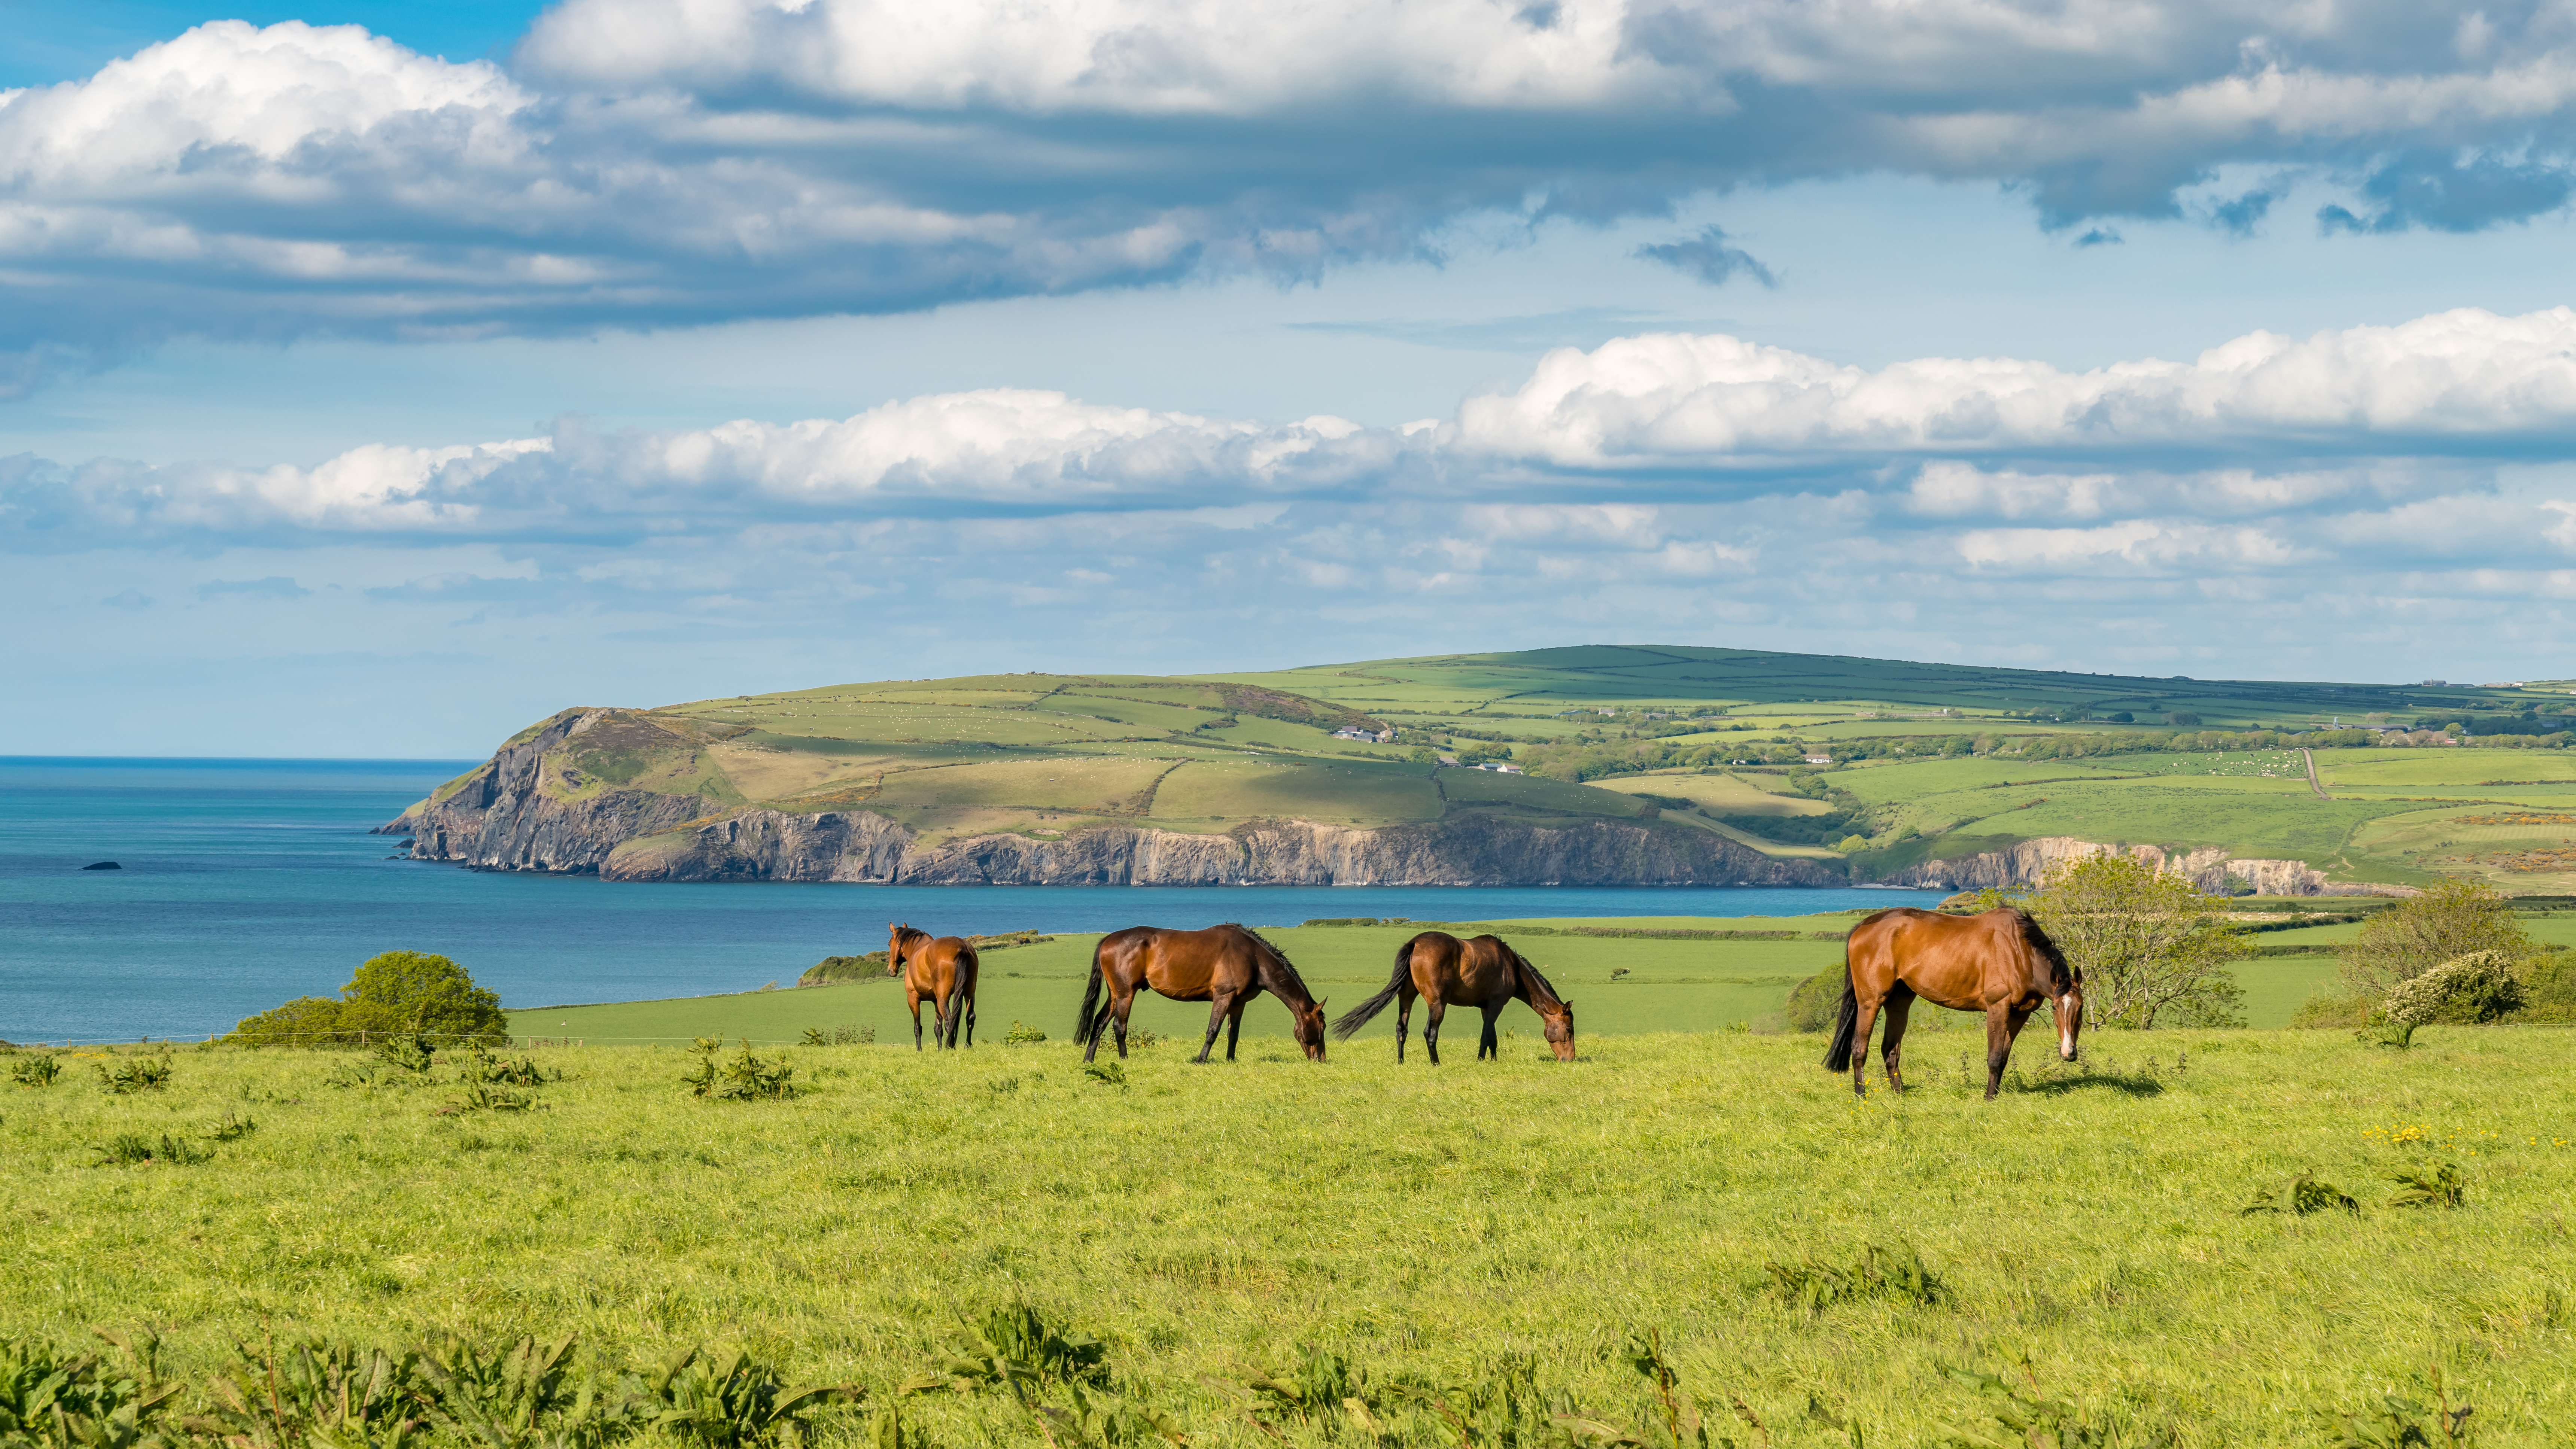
1093	1015
1838	1056
1358	1016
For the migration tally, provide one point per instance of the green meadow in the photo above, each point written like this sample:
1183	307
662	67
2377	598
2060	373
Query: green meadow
2084	1236
1619	985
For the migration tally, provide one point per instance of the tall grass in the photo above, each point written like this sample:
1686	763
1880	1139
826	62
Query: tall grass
1475	1245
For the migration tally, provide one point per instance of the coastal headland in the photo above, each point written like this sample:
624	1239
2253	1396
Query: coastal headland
1579	766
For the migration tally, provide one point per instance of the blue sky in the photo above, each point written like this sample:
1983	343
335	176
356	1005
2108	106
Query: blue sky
374	390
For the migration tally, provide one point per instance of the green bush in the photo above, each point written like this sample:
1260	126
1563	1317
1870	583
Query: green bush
1812	1002
396	993
2447	921
844	968
2549	988
2477	987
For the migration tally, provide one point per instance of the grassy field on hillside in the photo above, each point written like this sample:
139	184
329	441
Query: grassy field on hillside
2084	1234
1711	732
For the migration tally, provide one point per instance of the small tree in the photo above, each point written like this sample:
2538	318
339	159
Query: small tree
2450	920
398	991
2152	948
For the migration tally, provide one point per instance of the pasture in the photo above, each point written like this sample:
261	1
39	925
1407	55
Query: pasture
1619	985
2084	1234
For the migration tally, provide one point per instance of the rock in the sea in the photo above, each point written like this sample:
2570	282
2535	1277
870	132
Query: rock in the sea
102	865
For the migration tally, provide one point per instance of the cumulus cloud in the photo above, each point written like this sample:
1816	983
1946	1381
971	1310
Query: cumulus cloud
2466	380
2367	418
654	162
2360	486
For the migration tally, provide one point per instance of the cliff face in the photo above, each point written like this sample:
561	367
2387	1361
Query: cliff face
502	819
858	846
2207	868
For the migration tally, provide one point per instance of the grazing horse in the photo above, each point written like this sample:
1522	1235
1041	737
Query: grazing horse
2000	963
1482	973
1224	966
941	971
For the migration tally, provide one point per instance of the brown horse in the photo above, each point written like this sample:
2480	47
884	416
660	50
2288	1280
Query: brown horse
1483	973
1225	966
2000	963
940	970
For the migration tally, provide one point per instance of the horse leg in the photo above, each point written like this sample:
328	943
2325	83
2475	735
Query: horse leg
1431	1028
1867	1018
1488	1044
1234	1024
1403	1023
970	1021
1216	1022
912	998
1900	1002
2003	1023
1117	1012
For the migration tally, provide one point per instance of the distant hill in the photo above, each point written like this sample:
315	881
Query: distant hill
1639	764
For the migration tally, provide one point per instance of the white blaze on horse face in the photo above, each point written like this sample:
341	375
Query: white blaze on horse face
2067	1006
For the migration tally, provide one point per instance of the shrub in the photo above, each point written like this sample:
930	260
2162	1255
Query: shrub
2477	987
36	1071
1813	1002
2150	945
142	1074
2450	920
305	1021
870	967
745	1078
396	992
2549	988
1022	1034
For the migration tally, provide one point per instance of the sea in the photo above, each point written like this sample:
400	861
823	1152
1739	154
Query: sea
242	883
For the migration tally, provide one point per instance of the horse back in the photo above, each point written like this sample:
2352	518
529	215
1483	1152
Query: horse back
1965	962
1183	965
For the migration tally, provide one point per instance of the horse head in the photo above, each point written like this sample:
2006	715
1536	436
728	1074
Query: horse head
895	932
1560	1029
2069	1005
1308	1023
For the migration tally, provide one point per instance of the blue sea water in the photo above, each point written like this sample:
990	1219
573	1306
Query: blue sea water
246	882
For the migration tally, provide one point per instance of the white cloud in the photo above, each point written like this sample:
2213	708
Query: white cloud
2374	422
2446	378
662	162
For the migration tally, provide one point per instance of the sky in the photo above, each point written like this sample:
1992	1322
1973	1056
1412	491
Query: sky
376	379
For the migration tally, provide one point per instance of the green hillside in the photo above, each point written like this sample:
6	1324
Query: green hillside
1924	761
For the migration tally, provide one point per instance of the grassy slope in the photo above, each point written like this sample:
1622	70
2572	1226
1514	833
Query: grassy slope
1045	755
1207	1220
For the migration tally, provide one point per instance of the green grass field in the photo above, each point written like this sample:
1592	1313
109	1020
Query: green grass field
1620	986
1208	1223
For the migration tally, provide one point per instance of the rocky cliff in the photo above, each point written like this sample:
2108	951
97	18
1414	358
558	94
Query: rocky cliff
2207	868
512	814
1462	850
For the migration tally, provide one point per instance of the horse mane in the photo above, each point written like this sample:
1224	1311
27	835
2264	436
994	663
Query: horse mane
1545	986
2061	975
1277	957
